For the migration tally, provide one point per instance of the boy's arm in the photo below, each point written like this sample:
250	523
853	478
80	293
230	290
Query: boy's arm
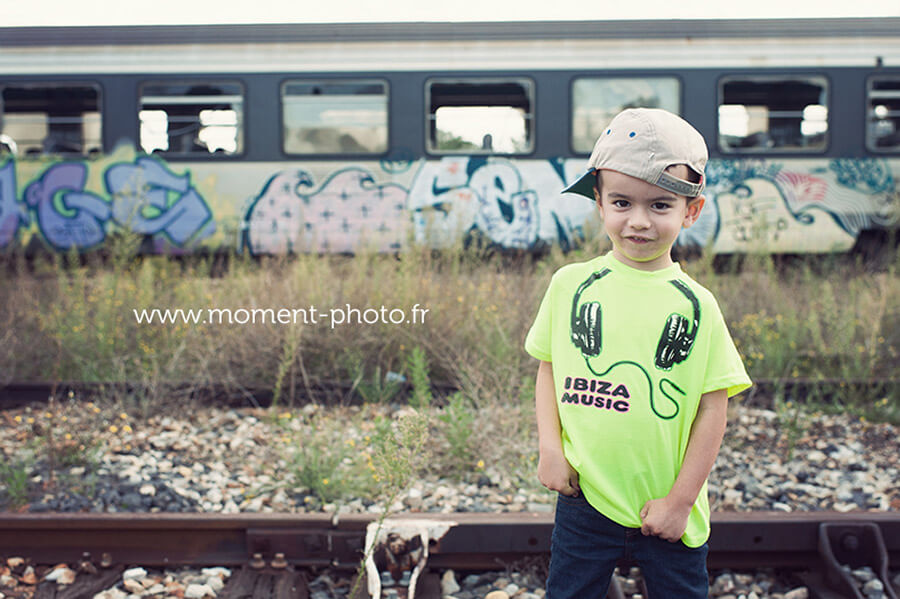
667	517
554	471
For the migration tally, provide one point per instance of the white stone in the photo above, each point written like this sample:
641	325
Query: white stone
214	495
448	583
872	587
134	574
61	575
815	456
113	593
219	571
198	591
133	586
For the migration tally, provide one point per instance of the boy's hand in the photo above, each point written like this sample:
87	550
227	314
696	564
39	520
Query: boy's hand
556	473
664	518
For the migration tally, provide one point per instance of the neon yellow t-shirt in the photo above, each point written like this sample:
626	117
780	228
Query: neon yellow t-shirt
632	353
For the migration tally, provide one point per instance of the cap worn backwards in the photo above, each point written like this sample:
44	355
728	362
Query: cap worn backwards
643	143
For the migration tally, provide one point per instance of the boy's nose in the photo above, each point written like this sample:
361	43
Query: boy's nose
639	219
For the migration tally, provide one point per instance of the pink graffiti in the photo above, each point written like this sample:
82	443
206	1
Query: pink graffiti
349	212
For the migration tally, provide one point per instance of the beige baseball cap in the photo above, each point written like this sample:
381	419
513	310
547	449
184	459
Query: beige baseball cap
643	143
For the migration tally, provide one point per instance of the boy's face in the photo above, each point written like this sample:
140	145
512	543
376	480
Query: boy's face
643	220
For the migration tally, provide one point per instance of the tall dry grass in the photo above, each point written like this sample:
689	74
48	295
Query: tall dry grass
814	319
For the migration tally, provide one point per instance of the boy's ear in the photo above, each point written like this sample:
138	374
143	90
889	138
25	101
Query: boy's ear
597	202
694	208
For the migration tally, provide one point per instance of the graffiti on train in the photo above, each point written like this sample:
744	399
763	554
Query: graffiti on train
445	202
142	196
813	207
265	208
346	213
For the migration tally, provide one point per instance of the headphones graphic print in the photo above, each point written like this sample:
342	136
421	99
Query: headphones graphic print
674	346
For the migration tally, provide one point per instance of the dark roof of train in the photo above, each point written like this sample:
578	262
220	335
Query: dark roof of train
446	31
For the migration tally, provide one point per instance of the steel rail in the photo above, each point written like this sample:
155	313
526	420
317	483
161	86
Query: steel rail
474	541
19	394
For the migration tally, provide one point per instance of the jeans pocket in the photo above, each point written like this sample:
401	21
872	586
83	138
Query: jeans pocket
578	497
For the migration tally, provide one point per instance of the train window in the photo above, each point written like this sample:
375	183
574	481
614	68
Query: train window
773	114
480	116
335	117
40	119
883	131
194	118
596	100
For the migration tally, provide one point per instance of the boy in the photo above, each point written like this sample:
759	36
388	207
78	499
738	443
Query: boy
636	369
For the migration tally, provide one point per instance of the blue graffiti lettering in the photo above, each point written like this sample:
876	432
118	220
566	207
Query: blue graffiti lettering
67	215
150	199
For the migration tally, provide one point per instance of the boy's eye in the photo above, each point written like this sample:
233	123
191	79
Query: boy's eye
620	203
661	206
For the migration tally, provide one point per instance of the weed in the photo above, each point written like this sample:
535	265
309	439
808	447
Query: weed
458	420
792	423
380	389
290	351
313	460
14	475
417	365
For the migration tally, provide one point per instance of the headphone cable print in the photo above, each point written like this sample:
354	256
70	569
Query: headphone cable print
649	386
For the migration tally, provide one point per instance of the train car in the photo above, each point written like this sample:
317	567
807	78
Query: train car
274	139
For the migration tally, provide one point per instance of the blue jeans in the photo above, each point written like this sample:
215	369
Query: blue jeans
586	545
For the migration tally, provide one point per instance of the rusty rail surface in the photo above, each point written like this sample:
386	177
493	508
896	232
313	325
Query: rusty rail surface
818	543
476	540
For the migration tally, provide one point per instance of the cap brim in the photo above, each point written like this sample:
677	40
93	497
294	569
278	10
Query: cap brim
584	186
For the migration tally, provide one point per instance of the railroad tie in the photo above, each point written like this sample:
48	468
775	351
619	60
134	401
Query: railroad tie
280	581
85	586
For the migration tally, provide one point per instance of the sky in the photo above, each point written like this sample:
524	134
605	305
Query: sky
118	12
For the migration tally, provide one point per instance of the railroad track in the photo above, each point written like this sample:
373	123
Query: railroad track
18	394
272	550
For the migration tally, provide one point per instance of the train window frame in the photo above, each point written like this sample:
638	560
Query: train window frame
337	81
888	114
195	153
487	145
577	148
89	146
819	140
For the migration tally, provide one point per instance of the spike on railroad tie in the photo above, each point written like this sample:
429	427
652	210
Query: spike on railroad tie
106	560
85	566
399	547
279	563
257	562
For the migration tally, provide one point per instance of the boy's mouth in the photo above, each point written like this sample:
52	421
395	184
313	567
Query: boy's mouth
634	239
